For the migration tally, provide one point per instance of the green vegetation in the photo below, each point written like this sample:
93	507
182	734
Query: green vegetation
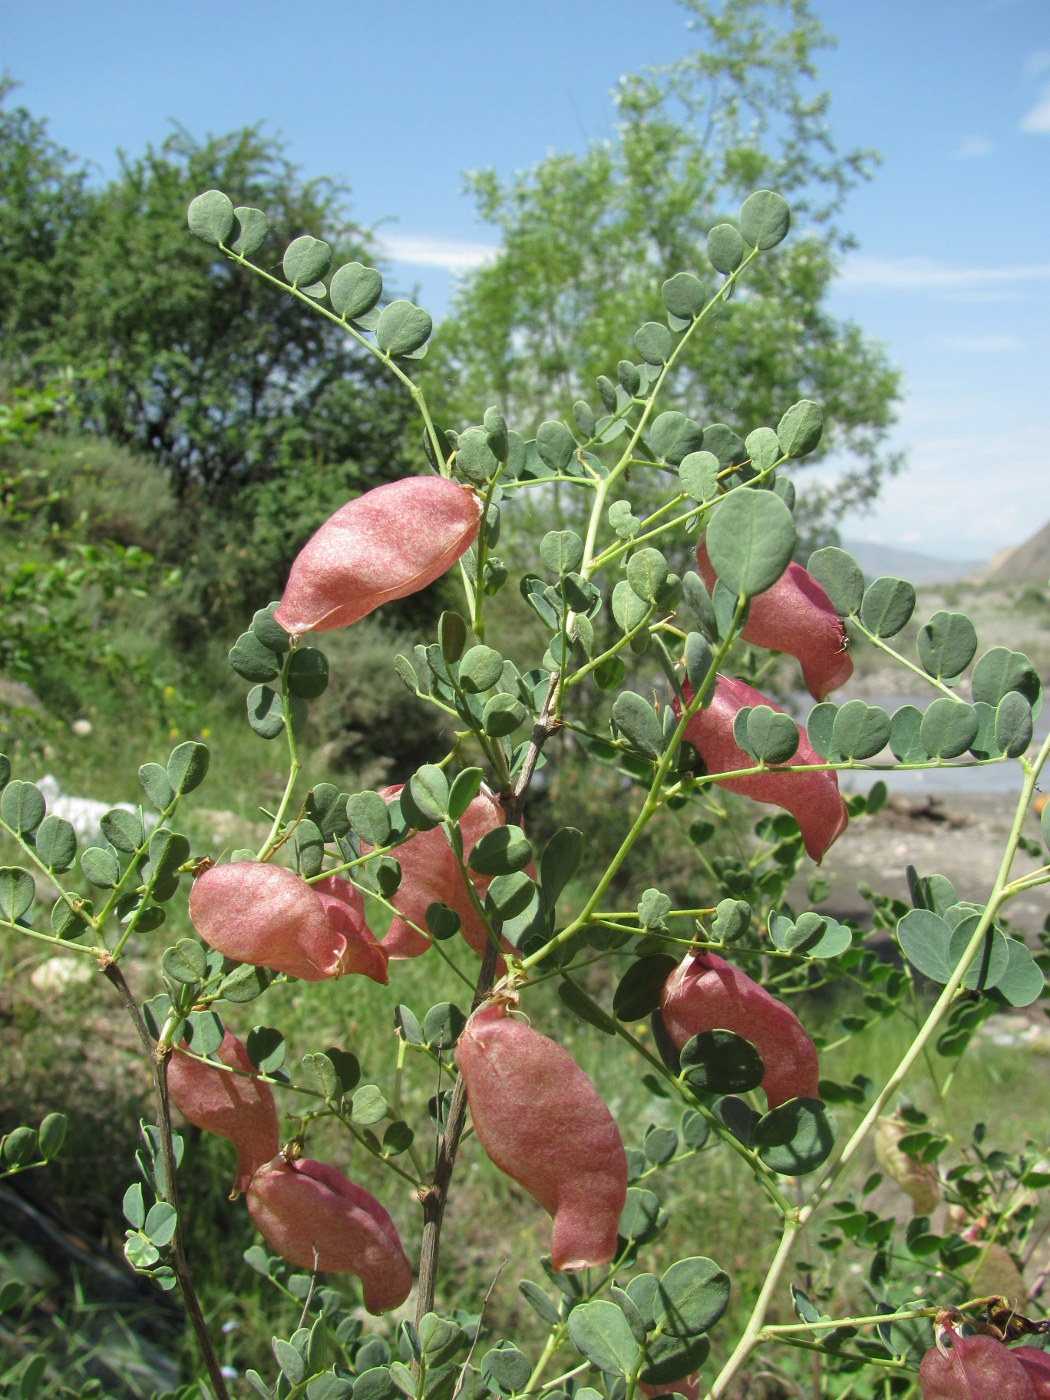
157	483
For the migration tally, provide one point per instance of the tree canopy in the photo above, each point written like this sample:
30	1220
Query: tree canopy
221	380
586	240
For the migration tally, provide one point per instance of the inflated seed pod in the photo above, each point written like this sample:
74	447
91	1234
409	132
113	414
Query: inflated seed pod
795	616
430	874
974	1368
229	1105
268	916
918	1180
813	799
316	1218
345	907
705	993
541	1121
1037	1364
687	1386
387	543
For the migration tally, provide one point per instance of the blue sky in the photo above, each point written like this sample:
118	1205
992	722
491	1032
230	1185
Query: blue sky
952	267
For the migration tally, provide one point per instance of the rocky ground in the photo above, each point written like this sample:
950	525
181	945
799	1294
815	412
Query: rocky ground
961	836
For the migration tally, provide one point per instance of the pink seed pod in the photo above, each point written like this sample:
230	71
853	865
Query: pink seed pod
705	993
387	543
541	1121
268	916
974	1368
795	616
228	1105
345	907
813	799
688	1386
316	1219
1037	1364
430	874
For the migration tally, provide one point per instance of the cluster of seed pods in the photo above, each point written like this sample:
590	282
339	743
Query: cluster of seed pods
982	1368
537	1115
308	1212
706	993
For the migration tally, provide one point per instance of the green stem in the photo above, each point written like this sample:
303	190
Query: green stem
414	390
751	1334
651	804
294	766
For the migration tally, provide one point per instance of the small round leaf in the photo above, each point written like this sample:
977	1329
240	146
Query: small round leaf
210	216
800	429
306	260
750	541
684	295
654	343
725	248
403	328
355	289
887	605
764	219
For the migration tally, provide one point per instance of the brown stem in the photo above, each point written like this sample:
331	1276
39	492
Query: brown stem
168	1189
445	1157
541	732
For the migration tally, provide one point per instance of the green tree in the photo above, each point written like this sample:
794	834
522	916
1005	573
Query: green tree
42	218
586	240
220	380
256	414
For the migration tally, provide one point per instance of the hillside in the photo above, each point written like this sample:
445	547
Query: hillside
1025	563
877	560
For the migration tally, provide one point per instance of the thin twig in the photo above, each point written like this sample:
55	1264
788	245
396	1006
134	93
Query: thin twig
169	1187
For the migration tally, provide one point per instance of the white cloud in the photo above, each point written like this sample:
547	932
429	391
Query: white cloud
1038	119
424	250
921	274
961	494
1038	61
981	344
972	148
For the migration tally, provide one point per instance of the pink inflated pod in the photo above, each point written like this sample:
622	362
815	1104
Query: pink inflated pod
813	799
795	616
1037	1365
689	1386
268	916
345	907
705	993
387	543
541	1121
230	1105
974	1368
482	816
425	861
316	1218
430	874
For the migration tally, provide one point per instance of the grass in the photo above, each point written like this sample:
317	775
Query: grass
72	1051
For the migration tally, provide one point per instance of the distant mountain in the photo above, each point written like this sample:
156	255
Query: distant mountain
1025	563
878	560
